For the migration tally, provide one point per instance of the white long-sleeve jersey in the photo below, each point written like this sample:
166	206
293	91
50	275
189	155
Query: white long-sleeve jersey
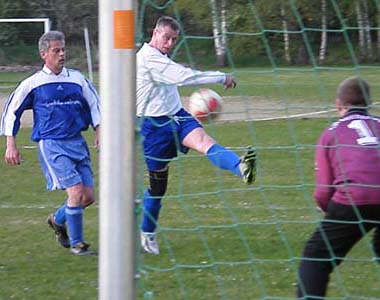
63	105
158	78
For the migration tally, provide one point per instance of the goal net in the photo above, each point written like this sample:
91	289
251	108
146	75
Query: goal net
219	238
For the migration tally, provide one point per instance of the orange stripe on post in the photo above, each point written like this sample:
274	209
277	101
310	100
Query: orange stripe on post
124	29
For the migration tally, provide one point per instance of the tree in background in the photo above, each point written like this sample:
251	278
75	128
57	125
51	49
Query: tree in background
377	5
9	33
365	39
252	31
219	29
286	33
323	47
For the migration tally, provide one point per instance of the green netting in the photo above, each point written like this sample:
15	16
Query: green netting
221	239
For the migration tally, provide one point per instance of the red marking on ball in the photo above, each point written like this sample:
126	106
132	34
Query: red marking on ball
204	104
213	105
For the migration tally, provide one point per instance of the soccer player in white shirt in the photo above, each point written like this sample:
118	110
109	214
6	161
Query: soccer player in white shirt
64	104
167	128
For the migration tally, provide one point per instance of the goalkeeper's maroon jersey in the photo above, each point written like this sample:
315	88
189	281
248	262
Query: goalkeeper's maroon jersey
348	161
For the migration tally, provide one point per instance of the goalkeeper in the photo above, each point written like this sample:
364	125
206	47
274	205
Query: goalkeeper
167	128
347	188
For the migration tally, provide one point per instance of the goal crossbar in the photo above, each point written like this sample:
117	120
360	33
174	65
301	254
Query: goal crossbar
46	21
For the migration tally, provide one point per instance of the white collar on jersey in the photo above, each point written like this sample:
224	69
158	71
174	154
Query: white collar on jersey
64	72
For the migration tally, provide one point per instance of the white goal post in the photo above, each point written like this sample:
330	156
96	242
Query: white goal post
46	21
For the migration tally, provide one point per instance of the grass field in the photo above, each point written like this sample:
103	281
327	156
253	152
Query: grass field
219	238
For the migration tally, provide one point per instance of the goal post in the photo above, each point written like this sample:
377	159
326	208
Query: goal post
45	21
117	263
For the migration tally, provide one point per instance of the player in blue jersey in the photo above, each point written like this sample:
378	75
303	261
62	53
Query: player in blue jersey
64	104
168	128
347	188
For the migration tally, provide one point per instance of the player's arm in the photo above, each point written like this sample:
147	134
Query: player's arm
17	102
92	98
323	174
164	70
12	154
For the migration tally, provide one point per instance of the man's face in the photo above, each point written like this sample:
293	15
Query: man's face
55	56
165	38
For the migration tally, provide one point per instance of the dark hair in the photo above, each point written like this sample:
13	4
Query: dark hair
168	21
354	91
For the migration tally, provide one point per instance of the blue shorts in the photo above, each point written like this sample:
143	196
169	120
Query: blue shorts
163	136
65	163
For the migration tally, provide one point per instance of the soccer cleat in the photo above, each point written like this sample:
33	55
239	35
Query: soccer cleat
149	243
81	249
248	166
60	232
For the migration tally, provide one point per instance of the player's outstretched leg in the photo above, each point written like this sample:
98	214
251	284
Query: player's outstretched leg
226	159
247	166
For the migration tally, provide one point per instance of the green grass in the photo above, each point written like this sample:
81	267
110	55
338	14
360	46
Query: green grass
282	84
315	86
219	238
32	266
224	240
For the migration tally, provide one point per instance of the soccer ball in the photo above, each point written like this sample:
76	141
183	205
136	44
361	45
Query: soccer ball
205	104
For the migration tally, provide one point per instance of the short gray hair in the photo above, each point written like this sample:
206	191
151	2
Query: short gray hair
168	21
47	37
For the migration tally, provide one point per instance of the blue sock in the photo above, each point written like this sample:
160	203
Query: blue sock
152	208
60	214
224	159
74	217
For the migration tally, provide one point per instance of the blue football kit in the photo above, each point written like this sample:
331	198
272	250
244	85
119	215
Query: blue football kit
63	105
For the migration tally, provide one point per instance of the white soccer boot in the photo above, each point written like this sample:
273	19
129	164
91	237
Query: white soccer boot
149	243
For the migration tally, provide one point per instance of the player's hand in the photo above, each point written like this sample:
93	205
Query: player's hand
230	82
12	156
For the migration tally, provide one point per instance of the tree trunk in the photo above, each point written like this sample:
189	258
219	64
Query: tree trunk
359	17
378	32
322	50
218	41
286	34
367	30
223	17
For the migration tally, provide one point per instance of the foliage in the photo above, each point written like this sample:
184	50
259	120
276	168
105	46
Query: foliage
254	28
69	16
